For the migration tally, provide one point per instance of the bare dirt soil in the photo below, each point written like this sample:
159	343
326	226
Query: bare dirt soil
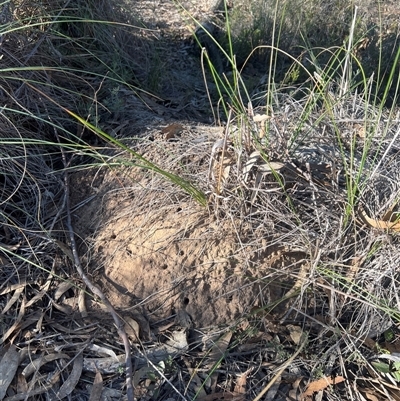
166	253
150	244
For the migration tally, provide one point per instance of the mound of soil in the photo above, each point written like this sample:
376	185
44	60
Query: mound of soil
154	246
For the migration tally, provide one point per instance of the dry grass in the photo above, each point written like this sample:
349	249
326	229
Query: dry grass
311	31
290	227
335	275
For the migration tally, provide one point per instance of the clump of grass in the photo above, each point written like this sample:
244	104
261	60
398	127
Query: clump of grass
334	126
60	63
305	32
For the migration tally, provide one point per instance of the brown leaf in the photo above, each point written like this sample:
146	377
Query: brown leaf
240	386
22	385
17	323
8	367
3	261
69	385
13	299
62	288
132	329
34	319
321	384
97	387
380	224
13	287
171	131
219	348
144	325
251	162
24	396
223	169
295	333
40	294
44	388
216	355
295	388
35	365
142	374
67	251
66	309
371	397
221	162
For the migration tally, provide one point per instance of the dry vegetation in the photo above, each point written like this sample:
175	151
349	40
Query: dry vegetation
257	258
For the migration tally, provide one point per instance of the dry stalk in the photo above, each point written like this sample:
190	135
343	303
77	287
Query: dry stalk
281	369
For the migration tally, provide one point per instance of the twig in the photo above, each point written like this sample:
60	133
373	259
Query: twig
96	291
281	369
